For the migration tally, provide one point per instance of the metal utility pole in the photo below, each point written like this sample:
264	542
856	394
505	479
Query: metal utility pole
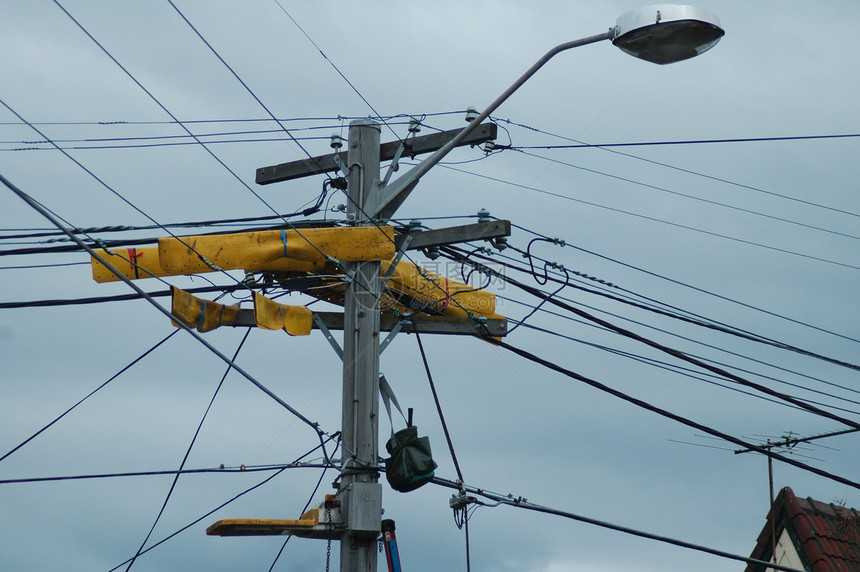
362	494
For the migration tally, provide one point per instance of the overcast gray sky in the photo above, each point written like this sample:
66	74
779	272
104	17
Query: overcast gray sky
758	235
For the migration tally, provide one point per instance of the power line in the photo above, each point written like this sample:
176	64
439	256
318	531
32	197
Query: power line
44	212
670	351
225	470
669	415
523	503
607	148
90	394
696	320
692	197
693	141
294	464
654	219
688	286
187	453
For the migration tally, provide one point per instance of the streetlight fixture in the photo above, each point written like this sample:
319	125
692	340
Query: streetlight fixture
661	34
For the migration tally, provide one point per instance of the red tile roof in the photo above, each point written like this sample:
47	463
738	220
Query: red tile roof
826	536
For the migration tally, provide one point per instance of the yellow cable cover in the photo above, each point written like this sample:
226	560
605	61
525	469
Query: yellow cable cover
438	293
295	320
203	315
281	248
133	263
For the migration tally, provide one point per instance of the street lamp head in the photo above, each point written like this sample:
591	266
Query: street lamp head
666	33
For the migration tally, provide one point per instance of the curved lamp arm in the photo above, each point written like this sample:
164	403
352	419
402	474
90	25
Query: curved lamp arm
393	195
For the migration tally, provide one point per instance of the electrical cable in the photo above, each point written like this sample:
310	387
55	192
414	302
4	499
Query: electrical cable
298	283
187	453
710	346
294	464
226	470
203	145
669	415
671	351
307	504
90	394
520	502
699	321
695	375
336	69
657	220
438	405
688	286
44	212
696	141
693	197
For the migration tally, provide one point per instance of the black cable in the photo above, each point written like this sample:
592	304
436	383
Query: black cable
90	394
654	219
705	378
710	346
44	212
671	351
520	502
669	415
294	464
691	287
438	405
187	453
699	321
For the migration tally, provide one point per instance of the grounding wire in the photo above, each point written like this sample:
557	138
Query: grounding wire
671	351
654	219
44	212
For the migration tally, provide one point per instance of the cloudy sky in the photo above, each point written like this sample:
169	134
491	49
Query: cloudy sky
757	235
